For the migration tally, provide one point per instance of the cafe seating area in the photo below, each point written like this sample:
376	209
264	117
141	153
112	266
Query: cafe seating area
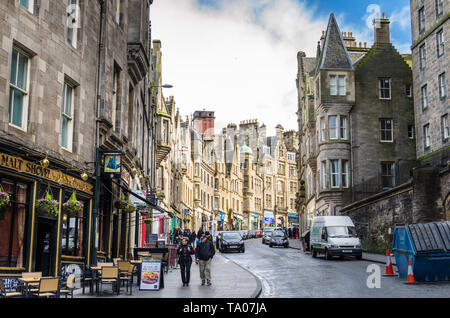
105	278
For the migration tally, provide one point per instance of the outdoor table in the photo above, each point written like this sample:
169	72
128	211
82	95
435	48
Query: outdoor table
27	282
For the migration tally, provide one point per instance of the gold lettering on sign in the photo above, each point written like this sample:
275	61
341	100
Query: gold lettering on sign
24	166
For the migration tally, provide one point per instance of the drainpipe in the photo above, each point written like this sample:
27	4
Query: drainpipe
97	129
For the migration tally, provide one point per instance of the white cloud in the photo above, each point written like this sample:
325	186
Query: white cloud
237	58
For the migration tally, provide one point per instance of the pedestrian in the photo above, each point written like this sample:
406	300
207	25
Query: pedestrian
290	233
185	250
204	254
193	238
209	236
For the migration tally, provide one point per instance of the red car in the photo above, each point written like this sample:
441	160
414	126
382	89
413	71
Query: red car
258	233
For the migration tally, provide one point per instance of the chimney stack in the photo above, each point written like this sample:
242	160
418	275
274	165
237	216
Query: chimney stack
381	30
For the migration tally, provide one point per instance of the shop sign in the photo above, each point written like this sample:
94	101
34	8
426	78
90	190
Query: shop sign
268	217
20	165
135	200
150	274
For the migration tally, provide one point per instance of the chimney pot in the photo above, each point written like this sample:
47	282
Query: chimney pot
384	15
359	44
365	45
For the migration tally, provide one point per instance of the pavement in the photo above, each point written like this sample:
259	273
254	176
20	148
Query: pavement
371	257
229	280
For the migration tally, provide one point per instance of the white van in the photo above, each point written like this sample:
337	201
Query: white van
334	236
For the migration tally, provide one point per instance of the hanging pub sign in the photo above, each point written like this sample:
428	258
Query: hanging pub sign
112	166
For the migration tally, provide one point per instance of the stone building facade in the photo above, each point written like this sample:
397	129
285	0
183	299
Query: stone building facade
354	115
73	78
430	45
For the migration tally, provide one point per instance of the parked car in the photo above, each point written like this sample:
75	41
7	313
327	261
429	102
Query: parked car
230	241
266	234
278	238
252	234
334	236
244	234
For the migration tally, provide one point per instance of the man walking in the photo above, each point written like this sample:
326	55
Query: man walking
203	255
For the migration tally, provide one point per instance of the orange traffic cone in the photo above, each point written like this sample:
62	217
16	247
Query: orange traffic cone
389	269
410	278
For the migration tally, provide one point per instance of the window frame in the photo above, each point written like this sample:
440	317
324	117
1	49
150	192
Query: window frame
334	174
383	89
423	56
427	137
26	92
411	132
386	130
445	128
439	5
69	117
345	173
442	83
440	42
74	37
324	174
422	20
333	128
424	97
29	7
391	175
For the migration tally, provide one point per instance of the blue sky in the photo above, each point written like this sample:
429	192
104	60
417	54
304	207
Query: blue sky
238	57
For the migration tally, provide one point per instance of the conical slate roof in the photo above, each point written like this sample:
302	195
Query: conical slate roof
334	54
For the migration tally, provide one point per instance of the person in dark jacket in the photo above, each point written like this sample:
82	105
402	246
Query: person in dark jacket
193	238
203	256
184	252
209	236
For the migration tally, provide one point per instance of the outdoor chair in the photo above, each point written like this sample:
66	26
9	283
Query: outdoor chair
32	275
116	260
4	294
86	278
127	276
109	275
48	287
69	286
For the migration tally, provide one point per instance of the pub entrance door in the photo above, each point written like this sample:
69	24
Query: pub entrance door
45	246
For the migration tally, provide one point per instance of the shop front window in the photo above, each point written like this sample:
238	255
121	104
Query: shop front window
73	231
12	224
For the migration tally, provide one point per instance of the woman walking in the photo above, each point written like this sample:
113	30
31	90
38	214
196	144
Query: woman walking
185	251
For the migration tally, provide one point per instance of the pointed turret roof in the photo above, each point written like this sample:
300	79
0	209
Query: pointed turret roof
334	55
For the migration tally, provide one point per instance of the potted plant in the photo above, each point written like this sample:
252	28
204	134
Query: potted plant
47	205
4	199
130	207
121	204
73	205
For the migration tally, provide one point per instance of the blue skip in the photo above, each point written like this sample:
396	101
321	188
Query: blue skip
428	247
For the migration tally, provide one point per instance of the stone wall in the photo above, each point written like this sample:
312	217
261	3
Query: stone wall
376	217
421	201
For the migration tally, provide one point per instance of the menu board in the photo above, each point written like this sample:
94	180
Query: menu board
12	284
150	274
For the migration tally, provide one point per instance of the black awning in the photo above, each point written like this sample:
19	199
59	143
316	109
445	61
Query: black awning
151	205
